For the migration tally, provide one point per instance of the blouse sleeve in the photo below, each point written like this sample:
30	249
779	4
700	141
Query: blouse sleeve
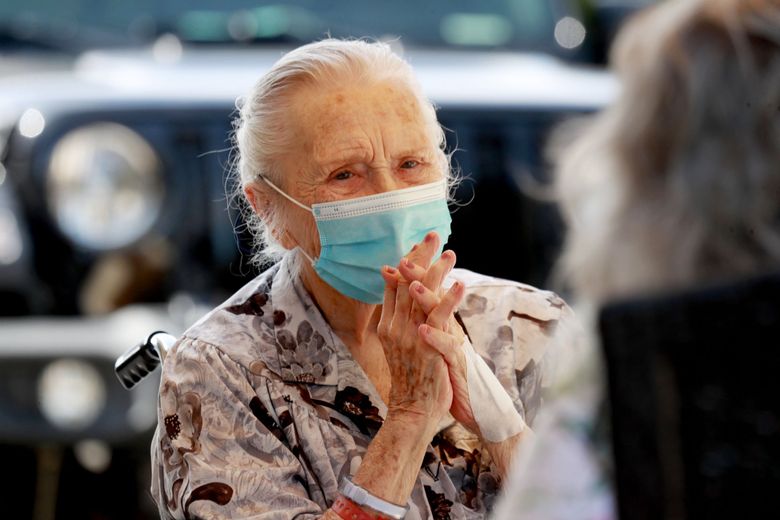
547	343
219	451
565	349
565	471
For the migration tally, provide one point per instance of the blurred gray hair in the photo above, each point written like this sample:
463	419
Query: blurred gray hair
678	182
261	133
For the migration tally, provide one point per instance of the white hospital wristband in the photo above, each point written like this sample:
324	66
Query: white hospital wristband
363	498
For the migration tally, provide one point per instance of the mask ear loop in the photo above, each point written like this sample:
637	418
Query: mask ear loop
300	205
304	253
283	194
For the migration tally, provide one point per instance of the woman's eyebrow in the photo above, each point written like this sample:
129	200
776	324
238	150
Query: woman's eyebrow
355	153
416	152
349	155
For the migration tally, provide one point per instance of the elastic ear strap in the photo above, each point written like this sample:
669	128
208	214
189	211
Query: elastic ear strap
283	194
304	253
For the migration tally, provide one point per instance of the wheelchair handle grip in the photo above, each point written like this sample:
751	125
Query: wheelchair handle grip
141	360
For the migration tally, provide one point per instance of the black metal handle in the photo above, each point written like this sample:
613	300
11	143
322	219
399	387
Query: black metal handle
141	360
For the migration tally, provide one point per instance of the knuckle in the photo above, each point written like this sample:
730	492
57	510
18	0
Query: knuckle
390	332
381	331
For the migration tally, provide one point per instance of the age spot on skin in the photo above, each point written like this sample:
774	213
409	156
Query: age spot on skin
406	113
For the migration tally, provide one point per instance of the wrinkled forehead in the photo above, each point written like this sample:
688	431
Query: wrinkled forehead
391	107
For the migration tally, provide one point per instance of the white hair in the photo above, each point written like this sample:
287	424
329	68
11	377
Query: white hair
262	133
678	182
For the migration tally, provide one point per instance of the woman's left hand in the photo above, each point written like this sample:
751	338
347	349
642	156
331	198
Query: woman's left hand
441	329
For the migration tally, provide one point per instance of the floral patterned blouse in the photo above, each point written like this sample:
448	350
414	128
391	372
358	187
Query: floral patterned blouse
566	472
263	410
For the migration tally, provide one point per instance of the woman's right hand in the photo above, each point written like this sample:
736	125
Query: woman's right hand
421	390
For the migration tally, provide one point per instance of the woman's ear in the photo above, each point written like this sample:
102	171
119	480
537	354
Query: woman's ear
260	201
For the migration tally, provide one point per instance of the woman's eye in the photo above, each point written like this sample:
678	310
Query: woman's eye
343	175
408	165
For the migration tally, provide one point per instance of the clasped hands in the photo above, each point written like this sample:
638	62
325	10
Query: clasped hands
421	338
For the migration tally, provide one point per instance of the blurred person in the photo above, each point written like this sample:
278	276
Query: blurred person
674	186
360	376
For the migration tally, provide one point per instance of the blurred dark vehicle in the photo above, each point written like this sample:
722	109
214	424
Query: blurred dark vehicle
115	124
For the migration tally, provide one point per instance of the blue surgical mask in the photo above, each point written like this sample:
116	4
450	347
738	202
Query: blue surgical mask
359	236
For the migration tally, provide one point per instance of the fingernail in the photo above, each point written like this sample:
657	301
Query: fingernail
458	286
419	288
389	270
414	247
429	237
408	263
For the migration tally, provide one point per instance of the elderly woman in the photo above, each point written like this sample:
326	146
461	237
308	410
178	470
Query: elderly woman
677	184
361	376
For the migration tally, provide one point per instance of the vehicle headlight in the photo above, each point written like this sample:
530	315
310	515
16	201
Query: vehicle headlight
11	235
71	394
104	186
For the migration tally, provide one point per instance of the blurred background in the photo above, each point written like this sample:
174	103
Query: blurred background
115	124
